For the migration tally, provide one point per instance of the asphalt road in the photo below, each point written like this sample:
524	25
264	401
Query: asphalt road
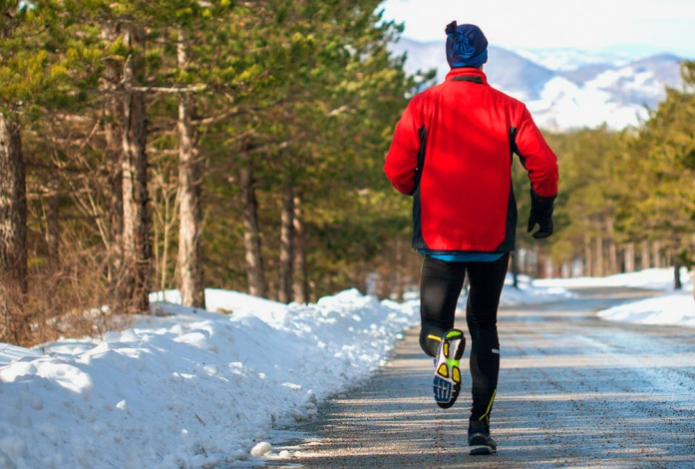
574	391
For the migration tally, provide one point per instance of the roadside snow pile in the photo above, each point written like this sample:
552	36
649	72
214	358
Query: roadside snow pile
530	292
650	279
9	353
674	308
191	388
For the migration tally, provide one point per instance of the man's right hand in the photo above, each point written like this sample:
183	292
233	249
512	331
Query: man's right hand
541	214
545	228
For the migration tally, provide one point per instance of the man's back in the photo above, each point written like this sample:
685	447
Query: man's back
466	135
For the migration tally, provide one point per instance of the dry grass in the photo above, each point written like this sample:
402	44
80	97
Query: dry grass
72	301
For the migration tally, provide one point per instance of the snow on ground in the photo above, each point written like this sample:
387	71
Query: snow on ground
189	388
529	292
677	308
670	308
651	279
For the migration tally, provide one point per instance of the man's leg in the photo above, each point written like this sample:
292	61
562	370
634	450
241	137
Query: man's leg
440	287
486	282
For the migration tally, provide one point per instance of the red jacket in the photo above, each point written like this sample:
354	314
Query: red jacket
453	151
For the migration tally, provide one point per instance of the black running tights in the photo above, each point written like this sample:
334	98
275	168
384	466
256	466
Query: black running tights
440	288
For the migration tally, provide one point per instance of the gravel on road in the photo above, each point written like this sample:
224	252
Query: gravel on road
574	391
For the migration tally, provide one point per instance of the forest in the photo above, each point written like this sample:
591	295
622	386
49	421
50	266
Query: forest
183	144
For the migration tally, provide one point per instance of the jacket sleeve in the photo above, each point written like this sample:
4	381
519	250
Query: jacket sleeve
402	157
537	157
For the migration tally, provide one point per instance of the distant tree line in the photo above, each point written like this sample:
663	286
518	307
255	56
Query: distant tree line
627	199
152	145
184	144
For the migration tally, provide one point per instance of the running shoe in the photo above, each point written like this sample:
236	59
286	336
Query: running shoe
447	374
479	439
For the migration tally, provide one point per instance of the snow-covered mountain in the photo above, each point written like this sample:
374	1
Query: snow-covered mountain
566	88
567	59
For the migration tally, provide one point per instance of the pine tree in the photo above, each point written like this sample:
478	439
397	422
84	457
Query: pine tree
13	249
660	167
33	78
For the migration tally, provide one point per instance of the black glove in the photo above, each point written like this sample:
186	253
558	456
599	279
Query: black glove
541	214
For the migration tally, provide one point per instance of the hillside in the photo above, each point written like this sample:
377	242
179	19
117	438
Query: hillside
566	89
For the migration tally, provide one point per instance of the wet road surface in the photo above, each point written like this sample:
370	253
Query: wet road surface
574	391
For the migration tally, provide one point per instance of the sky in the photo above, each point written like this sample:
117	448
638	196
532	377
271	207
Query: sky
632	27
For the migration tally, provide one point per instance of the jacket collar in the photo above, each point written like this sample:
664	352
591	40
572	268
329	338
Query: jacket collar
466	72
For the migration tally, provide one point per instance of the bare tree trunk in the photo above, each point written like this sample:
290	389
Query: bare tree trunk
629	255
656	247
52	236
114	149
53	224
599	265
677	284
114	143
612	257
286	242
646	258
13	231
530	261
166	211
252	236
539	266
521	258
692	269
136	242
190	260
588	257
515	269
301	285
549	268
566	269
13	206
611	248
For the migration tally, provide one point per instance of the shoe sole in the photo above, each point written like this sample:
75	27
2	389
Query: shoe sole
446	384
482	450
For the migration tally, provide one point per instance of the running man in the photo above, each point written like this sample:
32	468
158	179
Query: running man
452	151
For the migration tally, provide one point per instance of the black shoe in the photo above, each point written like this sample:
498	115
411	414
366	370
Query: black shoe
479	439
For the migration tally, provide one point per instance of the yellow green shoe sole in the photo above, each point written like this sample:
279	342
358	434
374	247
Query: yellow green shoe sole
447	373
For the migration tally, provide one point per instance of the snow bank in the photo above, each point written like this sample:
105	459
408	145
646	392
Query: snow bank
190	388
9	353
672	308
651	279
528	292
